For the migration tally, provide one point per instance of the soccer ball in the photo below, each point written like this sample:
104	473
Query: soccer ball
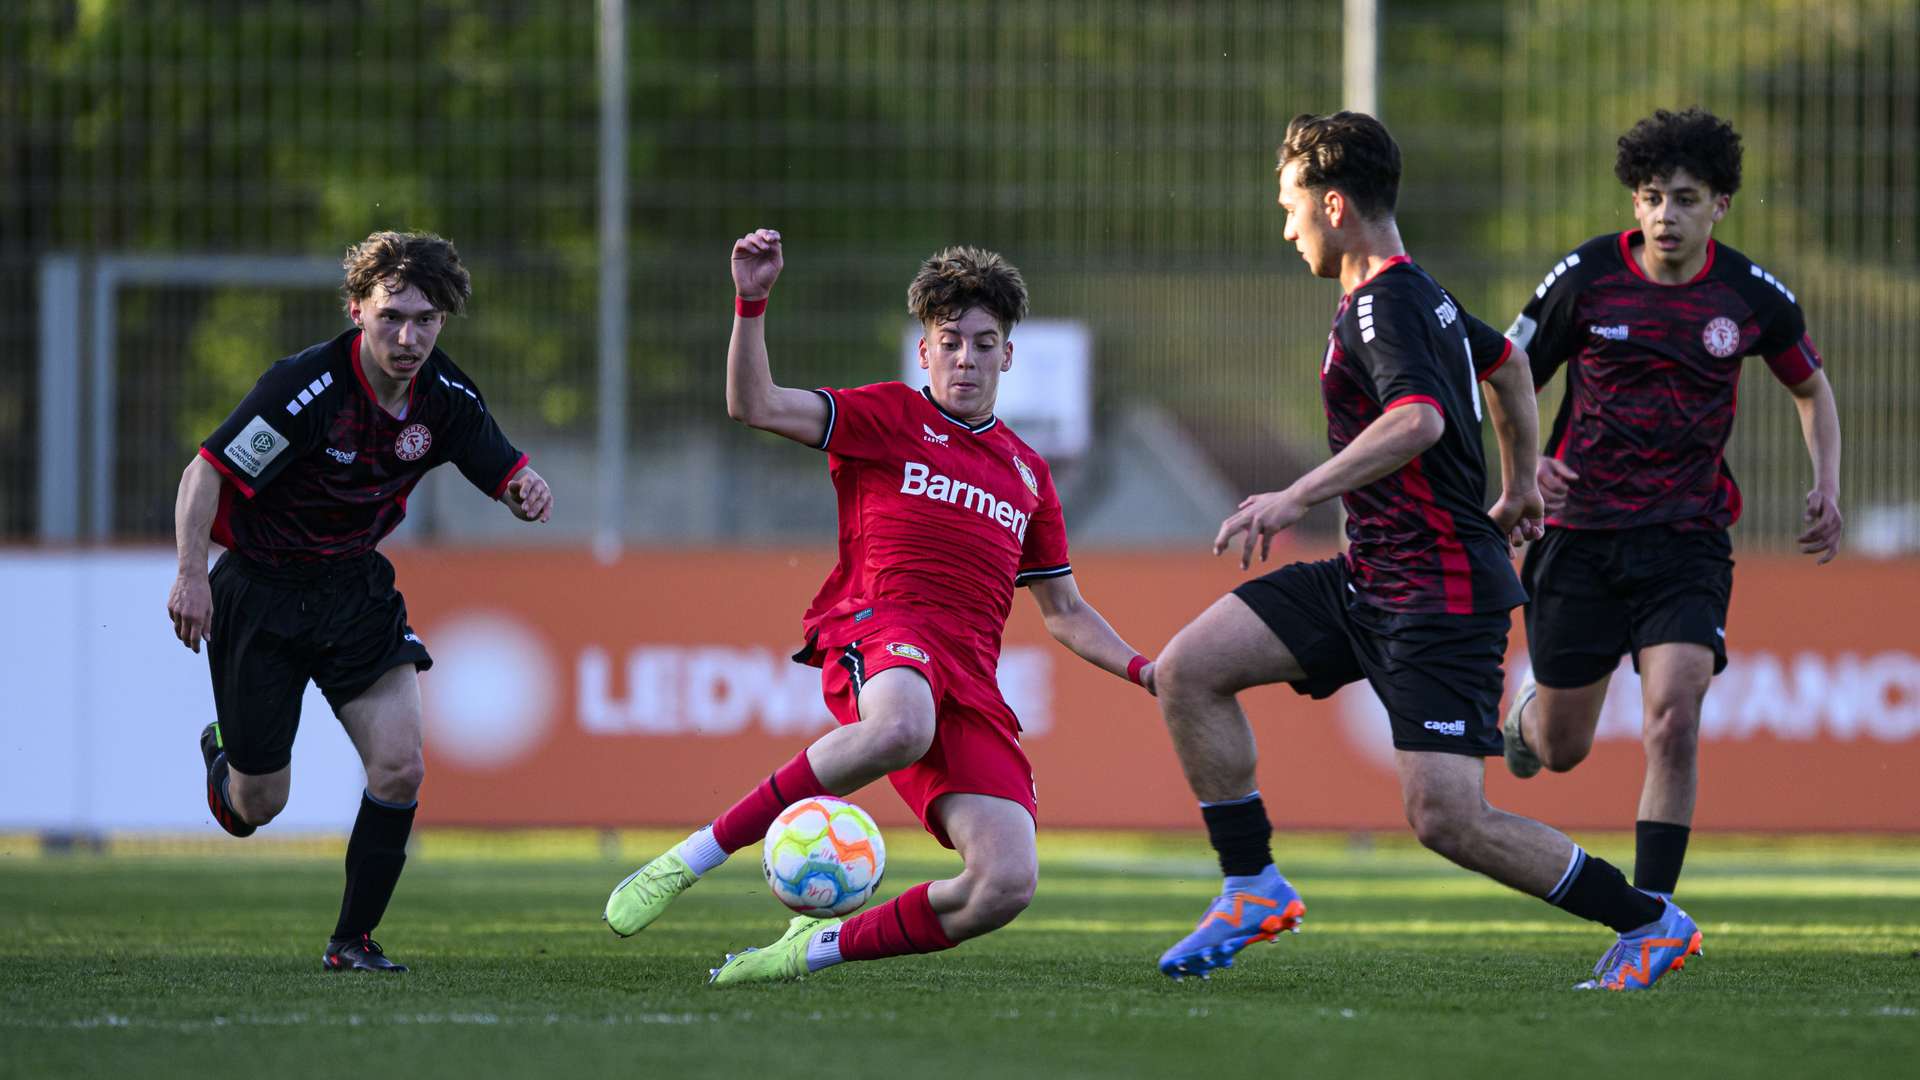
823	856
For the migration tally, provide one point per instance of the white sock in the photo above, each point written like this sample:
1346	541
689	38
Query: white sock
823	948
701	851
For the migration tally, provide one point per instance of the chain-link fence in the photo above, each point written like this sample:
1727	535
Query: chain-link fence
1120	153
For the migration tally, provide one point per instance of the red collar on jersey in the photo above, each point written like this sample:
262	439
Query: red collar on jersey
1626	256
927	392
1397	260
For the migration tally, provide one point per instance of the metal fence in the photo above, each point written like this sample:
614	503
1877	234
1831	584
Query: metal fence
1120	153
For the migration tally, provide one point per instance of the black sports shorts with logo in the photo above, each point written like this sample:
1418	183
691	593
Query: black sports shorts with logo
339	623
1438	675
1598	594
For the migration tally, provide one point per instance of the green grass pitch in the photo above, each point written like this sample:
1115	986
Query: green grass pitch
203	959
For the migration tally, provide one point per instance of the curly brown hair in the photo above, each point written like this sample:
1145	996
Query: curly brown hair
1694	140
1349	151
957	279
399	259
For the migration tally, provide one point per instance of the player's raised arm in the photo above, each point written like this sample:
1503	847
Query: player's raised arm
752	396
1515	413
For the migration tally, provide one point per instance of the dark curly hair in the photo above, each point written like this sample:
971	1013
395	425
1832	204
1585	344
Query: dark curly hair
1694	140
958	278
1348	151
400	259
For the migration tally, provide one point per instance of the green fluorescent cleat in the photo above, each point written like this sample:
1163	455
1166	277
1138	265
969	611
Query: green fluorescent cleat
646	892
782	961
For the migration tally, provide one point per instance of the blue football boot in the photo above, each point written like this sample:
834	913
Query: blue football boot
1640	957
1249	909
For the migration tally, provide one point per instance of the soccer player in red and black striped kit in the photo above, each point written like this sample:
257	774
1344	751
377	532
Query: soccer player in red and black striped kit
1418	606
1653	326
300	484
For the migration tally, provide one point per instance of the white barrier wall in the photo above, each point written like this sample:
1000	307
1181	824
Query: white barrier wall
100	723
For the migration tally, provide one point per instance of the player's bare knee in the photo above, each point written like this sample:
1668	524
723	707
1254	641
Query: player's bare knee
900	740
397	780
1181	675
997	897
255	803
1671	731
1561	751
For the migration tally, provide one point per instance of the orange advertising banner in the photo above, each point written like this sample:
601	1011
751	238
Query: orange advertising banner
658	689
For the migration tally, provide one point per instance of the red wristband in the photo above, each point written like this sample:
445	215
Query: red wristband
749	309
1134	667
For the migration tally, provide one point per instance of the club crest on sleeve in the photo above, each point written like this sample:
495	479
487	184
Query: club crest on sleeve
1721	337
1026	476
414	442
910	652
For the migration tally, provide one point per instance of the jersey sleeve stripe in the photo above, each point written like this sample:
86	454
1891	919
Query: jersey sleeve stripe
1413	399
1505	353
1796	363
833	413
231	476
1040	574
501	488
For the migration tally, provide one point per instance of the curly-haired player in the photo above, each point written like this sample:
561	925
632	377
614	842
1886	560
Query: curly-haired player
1653	326
943	512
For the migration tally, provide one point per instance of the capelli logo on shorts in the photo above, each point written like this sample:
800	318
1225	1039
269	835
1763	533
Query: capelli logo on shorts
911	652
1447	727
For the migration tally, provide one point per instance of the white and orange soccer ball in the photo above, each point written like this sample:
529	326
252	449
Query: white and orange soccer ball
823	856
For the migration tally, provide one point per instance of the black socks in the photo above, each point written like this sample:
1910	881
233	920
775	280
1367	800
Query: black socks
375	855
1658	850
1595	889
1240	833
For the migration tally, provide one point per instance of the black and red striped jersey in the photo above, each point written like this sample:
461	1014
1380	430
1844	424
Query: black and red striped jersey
315	468
1653	372
1418	539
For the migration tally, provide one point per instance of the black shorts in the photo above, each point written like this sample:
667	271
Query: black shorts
340	624
1598	594
1438	675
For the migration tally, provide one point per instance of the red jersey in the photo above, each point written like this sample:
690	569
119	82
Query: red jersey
939	520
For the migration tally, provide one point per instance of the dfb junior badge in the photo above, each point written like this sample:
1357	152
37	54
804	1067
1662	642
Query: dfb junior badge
413	443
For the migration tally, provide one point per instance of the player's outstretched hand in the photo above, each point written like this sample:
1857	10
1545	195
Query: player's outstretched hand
1520	516
1260	516
756	263
190	606
1553	476
528	496
1824	527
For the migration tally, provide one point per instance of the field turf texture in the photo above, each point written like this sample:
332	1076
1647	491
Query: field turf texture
198	958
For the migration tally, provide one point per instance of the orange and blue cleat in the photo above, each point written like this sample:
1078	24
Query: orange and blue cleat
1248	910
1640	957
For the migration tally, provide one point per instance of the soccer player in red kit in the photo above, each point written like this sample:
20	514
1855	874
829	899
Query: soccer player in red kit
943	512
1653	326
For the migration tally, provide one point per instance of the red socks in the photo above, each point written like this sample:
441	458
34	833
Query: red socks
746	821
903	925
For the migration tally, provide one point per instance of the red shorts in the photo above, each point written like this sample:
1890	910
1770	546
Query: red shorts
976	740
